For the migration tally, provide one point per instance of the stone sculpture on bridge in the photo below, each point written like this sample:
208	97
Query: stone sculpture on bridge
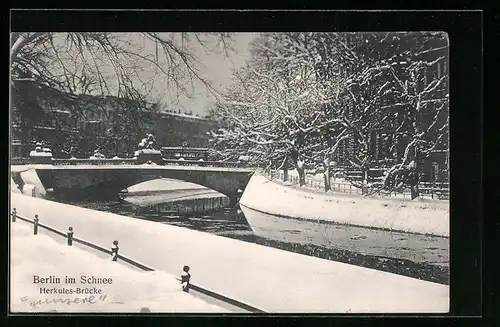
97	155
41	154
149	142
148	151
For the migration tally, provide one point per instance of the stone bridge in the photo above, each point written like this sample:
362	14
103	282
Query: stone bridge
91	180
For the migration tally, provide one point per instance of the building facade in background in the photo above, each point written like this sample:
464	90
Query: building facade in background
113	125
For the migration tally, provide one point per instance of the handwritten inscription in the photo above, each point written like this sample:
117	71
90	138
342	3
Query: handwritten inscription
35	304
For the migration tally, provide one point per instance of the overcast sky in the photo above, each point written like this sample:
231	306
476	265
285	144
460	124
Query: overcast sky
217	68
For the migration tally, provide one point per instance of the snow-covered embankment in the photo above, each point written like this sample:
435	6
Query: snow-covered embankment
417	216
130	291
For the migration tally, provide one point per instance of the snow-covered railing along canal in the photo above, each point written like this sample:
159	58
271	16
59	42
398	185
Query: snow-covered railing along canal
114	251
433	190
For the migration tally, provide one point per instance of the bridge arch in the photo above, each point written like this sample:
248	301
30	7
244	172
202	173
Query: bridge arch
96	179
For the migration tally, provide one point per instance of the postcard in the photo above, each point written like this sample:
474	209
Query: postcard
276	172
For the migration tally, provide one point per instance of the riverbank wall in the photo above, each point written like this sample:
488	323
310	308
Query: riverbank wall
422	216
266	278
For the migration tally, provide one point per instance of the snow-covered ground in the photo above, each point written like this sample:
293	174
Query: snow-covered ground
266	278
130	291
417	216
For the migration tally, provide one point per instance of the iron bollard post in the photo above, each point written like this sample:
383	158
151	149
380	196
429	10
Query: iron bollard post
35	225
70	236
114	250
185	277
14	214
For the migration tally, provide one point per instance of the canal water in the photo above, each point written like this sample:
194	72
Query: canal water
418	256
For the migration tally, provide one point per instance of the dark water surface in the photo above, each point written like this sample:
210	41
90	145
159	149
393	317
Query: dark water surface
418	256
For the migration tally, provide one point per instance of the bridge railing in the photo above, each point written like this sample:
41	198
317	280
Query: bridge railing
20	161
133	161
111	161
205	163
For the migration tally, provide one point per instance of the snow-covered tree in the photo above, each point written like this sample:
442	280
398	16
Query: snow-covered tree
275	106
400	91
364	99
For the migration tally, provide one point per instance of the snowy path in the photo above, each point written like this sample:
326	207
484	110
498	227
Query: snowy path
269	279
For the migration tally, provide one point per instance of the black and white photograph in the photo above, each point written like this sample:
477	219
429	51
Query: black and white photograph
229	172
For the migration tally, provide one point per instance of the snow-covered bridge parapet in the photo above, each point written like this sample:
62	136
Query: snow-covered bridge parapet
133	161
110	179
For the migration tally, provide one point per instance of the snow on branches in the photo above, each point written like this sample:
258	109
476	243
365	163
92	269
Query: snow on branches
366	100
123	65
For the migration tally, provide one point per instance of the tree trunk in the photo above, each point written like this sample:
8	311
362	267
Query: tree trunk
299	165
326	175
413	181
364	188
301	171
285	170
302	176
414	191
